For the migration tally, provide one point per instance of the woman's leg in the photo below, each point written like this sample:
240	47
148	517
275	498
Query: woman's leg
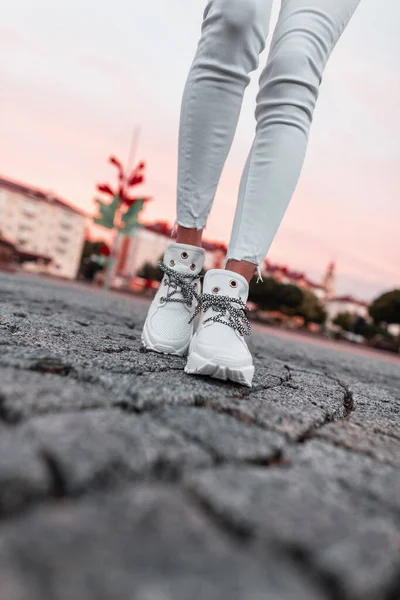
304	38
233	35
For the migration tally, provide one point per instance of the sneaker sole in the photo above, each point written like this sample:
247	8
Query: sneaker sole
197	365
161	348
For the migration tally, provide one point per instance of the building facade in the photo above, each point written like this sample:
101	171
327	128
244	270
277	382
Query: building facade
7	254
40	223
347	304
283	274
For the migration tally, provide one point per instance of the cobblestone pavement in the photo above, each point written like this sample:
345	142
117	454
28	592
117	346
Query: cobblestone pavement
123	478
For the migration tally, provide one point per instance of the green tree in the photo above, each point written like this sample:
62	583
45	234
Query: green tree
90	248
311	309
106	212
264	293
290	296
271	295
370	330
344	320
130	221
150	272
386	308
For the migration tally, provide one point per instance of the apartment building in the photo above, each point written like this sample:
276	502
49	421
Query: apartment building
347	304
40	223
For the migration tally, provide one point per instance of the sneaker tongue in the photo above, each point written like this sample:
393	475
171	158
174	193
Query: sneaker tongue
184	259
226	283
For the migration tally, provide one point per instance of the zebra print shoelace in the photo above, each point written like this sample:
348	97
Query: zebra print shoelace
179	283
230	311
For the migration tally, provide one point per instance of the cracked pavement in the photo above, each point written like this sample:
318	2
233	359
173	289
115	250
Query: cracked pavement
121	477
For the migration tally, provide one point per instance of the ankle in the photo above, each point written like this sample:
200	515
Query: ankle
242	267
192	237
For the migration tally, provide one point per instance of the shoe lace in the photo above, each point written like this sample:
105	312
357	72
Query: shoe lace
230	311
179	283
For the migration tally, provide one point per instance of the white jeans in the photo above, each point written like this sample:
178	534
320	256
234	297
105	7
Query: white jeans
233	36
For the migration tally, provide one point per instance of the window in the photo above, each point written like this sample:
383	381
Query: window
65	225
24	227
29	209
3	198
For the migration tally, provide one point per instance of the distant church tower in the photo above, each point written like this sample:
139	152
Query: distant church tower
329	282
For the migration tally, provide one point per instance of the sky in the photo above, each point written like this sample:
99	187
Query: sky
77	77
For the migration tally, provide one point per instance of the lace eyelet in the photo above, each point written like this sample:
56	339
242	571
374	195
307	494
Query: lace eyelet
193	267
215	290
172	263
233	283
162	300
184	255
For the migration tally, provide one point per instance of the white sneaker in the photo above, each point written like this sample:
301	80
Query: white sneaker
218	347
168	327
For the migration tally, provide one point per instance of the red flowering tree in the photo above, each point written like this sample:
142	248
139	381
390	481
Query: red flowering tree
121	211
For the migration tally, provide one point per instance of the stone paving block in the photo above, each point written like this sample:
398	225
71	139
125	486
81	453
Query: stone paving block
158	388
321	522
88	347
376	408
372	427
102	448
35	359
26	394
306	401
24	477
363	476
135	362
147	544
153	390
84	365
317	510
6	337
361	438
333	359
223	436
268	375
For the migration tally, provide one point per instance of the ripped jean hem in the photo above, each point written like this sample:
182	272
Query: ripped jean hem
239	255
193	224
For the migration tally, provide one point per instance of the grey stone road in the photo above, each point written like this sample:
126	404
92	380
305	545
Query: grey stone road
123	478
